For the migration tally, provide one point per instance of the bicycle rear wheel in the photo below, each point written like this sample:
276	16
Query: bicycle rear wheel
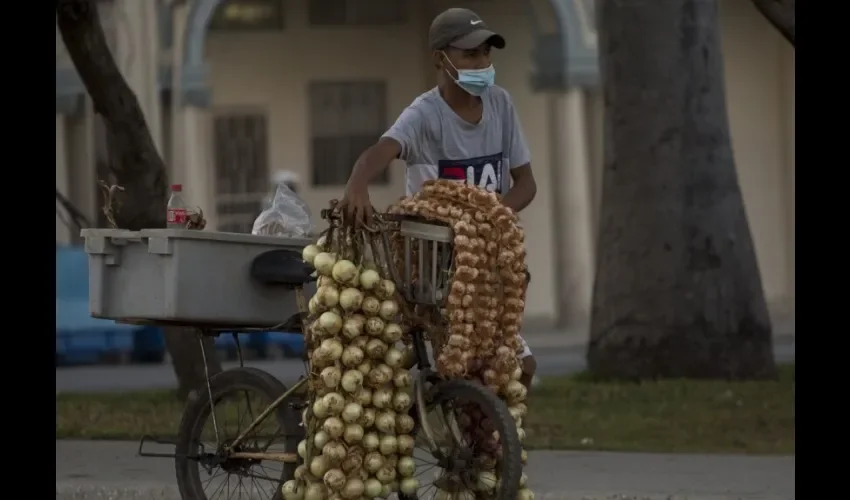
459	470
214	476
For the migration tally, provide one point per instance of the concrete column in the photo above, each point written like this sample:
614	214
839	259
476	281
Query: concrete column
191	162
137	55
63	232
197	162
573	202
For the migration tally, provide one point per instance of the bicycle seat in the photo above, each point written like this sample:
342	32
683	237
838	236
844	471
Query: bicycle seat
281	267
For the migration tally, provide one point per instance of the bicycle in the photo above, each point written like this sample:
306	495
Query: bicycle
435	399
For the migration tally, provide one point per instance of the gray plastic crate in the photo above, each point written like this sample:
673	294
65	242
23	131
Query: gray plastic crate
178	276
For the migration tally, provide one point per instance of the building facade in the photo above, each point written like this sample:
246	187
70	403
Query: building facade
234	90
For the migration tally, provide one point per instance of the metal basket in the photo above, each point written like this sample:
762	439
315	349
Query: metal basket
425	281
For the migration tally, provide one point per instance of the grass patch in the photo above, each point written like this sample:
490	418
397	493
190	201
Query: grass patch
569	412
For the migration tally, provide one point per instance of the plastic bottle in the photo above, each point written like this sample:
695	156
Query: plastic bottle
175	217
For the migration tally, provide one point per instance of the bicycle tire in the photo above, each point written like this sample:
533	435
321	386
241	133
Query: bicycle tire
510	467
198	410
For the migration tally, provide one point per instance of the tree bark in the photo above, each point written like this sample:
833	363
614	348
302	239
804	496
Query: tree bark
136	165
782	14
678	291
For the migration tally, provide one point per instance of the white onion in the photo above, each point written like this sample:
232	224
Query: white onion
385	290
393	358
352	327
374	461
302	448
386	490
402	402
388	310
352	356
301	472
515	391
324	263
369	279
350	299
352	381
523	480
371	306
319	466
315	491
353	433
521	433
320	409
385	474
335	403
321	439
382	398
364	367
314	307
334	427
525	494
368	418
344	271
486	481
523	456
330	322
516	374
372	486
406	444
351	413
310	252
406	467
335	451
408	485
385	422
374	326
327	296
334	479
331	377
322	242
389	445
291	490
376	349
370	442
353	489
392	333
363	395
333	348
378	378
404	423
402	379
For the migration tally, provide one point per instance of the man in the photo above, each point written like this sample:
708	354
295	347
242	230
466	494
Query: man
465	129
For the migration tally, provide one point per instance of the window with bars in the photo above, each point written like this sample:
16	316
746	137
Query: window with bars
248	15
241	169
346	118
357	12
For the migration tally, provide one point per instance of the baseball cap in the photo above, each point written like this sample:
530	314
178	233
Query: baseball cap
463	29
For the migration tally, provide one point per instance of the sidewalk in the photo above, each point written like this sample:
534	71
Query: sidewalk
100	470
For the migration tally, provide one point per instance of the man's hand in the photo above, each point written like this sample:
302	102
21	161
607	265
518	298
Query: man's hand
356	206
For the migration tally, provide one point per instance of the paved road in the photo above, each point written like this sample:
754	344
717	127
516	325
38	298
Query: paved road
551	360
110	470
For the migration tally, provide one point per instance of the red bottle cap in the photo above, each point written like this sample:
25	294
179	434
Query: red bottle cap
177	187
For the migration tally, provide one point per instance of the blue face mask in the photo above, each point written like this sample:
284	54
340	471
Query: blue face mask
474	81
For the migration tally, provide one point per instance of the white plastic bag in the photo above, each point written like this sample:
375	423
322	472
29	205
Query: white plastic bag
286	215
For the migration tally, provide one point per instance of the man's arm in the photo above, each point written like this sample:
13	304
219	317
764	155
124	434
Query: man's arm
524	188
373	161
399	141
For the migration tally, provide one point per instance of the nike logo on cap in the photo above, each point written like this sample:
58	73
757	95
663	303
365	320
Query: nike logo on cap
475	22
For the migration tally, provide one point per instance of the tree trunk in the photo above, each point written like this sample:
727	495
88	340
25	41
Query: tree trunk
136	164
782	14
678	291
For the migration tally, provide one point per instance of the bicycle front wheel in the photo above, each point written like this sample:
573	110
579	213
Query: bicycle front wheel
464	456
204	471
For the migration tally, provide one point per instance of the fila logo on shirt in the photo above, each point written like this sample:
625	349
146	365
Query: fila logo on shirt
484	171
